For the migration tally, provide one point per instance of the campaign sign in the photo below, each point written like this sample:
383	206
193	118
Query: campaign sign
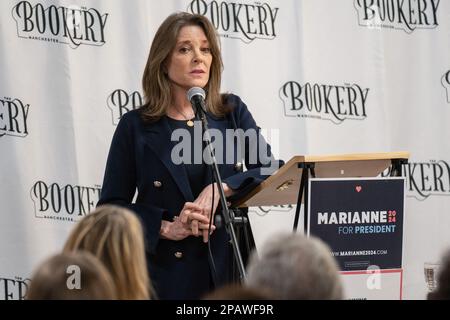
361	219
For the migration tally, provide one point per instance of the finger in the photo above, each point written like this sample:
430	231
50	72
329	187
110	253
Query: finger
184	215
205	231
192	206
203	208
204	226
187	209
194	227
197	216
205	236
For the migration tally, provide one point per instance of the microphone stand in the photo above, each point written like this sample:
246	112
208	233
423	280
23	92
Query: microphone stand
229	219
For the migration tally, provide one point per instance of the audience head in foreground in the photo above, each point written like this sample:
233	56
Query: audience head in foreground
71	276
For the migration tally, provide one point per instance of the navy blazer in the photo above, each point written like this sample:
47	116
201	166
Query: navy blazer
140	160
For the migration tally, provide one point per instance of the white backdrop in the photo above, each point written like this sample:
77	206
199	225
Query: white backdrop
333	76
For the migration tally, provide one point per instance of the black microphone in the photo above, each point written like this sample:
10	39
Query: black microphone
197	96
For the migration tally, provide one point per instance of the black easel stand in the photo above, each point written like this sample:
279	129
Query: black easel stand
304	188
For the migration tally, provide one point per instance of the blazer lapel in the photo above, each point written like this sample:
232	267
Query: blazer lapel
158	138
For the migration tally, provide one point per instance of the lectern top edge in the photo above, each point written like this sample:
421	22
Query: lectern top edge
288	178
355	157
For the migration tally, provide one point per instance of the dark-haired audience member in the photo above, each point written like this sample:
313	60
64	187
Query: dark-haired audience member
71	276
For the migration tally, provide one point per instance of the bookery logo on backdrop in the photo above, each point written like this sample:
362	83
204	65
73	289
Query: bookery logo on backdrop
63	202
13	288
244	21
13	117
325	102
71	25
398	14
446	84
425	179
120	102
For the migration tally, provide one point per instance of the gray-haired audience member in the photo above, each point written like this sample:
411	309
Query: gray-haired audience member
293	266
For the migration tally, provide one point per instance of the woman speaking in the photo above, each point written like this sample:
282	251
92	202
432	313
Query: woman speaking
174	199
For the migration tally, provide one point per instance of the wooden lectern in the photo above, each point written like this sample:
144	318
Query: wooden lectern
289	184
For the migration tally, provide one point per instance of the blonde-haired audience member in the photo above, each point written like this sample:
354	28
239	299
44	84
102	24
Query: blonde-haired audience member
294	267
71	276
115	236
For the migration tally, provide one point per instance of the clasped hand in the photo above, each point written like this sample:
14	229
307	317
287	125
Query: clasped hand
194	218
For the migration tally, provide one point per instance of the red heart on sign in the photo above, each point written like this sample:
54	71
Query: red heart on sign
358	188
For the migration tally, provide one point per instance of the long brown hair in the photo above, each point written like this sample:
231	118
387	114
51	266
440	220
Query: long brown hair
155	82
114	235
